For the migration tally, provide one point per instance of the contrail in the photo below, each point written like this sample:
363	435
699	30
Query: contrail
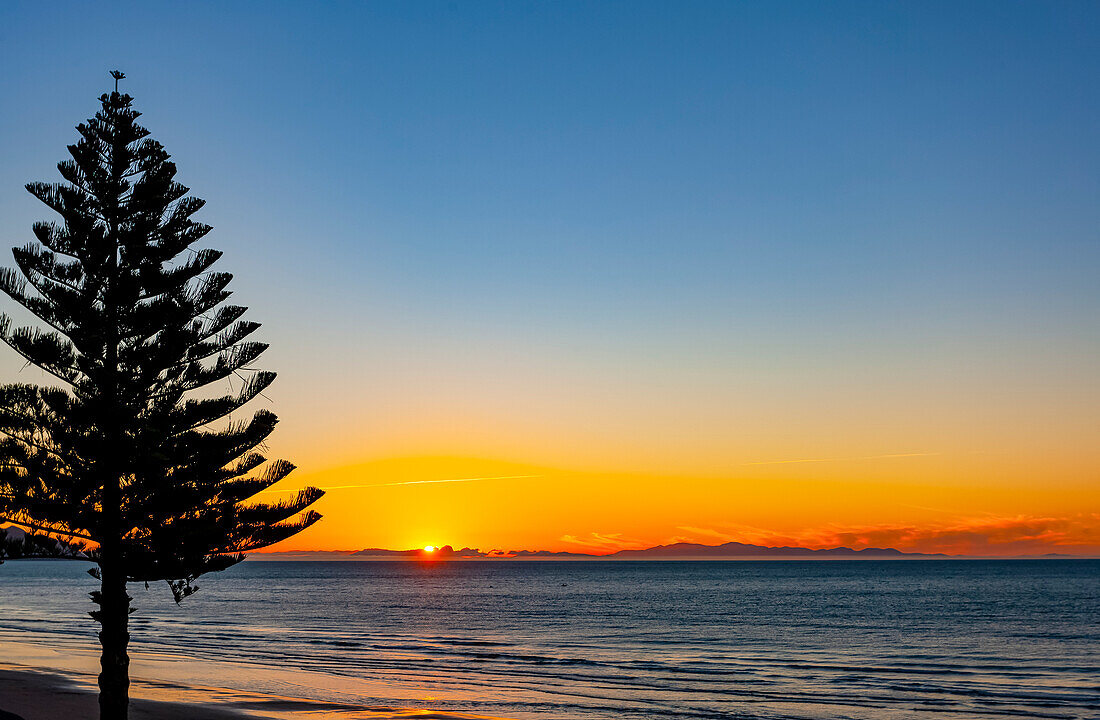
820	460
417	482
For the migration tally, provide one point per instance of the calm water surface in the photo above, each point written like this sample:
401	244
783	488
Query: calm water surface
580	640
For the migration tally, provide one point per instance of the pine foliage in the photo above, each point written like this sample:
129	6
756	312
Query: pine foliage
134	450
18	545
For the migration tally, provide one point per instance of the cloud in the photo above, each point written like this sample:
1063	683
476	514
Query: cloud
995	536
841	459
415	482
704	532
605	542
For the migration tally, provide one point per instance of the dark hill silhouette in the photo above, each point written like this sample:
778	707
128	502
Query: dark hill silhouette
742	550
682	551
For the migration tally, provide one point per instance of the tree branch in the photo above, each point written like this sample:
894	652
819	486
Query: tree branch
45	528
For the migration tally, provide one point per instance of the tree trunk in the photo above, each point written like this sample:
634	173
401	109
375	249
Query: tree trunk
114	637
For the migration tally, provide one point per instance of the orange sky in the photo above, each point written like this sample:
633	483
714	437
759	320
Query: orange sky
970	446
412	502
467	441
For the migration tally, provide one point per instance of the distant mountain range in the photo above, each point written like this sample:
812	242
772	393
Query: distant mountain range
15	543
676	551
742	550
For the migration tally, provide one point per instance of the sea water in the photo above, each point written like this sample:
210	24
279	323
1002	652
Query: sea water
866	640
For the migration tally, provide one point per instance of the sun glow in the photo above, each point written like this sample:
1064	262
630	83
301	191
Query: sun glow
429	548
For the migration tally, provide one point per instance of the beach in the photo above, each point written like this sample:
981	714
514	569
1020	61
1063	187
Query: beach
36	695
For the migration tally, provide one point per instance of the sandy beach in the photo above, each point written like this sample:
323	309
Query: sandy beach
40	694
29	695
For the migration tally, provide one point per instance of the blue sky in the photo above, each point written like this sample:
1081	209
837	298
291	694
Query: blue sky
647	200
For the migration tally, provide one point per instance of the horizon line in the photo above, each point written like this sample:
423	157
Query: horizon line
661	552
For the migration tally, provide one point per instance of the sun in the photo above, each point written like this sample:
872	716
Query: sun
429	548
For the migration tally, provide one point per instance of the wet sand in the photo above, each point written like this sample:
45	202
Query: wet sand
33	694
26	695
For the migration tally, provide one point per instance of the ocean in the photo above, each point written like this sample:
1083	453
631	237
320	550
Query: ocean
861	640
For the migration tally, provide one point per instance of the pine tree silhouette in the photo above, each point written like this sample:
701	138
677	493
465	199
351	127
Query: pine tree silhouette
121	453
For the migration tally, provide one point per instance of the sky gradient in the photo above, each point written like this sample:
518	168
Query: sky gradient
819	273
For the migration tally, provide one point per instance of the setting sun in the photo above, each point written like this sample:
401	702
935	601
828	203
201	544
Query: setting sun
429	548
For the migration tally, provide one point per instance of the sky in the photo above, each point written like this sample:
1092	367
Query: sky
590	276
